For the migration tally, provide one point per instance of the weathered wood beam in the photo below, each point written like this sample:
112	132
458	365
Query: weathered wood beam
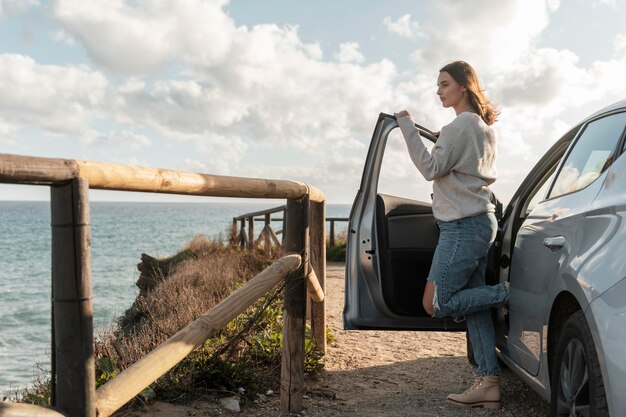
72	305
294	310
313	286
318	264
20	169
26	410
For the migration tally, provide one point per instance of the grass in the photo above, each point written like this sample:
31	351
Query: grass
337	253
245	354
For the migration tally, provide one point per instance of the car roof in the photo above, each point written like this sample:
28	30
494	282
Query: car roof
615	106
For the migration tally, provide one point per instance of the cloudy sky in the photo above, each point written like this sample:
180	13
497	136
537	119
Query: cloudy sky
291	89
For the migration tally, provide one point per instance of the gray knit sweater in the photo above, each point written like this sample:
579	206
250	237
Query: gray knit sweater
462	164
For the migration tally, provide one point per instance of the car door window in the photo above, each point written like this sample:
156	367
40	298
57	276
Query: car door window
398	175
539	193
591	155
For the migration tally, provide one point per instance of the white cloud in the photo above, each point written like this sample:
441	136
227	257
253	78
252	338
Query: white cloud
177	106
609	3
224	147
269	86
240	89
145	35
16	5
53	98
263	81
194	165
619	44
539	79
492	36
216	154
7	128
349	52
124	139
404	26
62	36
6	133
214	166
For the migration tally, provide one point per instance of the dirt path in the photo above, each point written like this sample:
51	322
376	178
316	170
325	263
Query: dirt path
375	373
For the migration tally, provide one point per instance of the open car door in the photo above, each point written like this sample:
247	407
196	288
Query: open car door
391	241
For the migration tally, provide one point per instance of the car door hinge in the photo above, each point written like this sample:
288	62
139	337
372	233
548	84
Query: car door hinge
371	251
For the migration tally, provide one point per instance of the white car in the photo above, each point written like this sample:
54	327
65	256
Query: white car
561	245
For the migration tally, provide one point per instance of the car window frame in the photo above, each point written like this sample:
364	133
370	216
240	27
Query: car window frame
621	146
426	136
614	154
551	172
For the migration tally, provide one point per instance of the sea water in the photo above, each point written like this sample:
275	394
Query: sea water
120	233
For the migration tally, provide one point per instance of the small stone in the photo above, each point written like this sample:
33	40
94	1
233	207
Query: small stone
269	392
242	390
230	403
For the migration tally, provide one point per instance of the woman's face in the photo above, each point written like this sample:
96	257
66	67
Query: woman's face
449	91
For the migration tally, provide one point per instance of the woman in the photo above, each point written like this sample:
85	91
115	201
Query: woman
462	166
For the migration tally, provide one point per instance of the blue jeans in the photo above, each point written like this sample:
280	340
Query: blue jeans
458	272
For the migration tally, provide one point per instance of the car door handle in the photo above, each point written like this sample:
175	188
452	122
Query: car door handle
554	243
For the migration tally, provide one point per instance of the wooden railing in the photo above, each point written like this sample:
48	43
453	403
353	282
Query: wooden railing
73	366
268	236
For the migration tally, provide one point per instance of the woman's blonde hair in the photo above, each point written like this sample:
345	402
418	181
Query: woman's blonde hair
464	74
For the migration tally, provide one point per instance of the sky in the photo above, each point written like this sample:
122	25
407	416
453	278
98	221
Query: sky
289	89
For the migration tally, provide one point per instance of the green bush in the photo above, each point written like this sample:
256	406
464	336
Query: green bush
337	253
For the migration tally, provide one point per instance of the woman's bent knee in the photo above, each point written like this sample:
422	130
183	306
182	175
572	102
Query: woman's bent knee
428	300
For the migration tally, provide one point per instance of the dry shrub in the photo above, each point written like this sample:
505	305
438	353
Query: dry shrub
246	353
202	274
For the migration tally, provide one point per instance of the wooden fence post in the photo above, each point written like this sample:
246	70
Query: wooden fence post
75	390
268	226
292	353
284	232
318	262
233	232
242	234
250	232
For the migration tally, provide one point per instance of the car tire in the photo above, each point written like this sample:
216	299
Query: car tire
576	378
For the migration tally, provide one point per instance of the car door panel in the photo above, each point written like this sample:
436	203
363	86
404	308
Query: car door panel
532	268
407	236
537	264
389	251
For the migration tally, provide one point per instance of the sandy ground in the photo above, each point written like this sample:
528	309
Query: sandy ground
376	373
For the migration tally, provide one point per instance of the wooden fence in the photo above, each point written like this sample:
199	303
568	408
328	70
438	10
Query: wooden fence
73	366
268	236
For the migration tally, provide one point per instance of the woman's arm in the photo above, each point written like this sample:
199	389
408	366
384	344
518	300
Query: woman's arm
445	153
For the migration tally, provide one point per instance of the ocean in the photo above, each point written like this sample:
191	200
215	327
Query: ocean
120	233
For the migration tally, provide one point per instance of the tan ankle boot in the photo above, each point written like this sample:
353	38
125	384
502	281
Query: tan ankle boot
485	392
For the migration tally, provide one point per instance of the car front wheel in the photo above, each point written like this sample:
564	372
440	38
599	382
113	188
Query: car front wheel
576	379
